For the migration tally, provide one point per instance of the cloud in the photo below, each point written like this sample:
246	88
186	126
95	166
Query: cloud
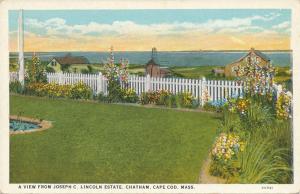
283	25
59	27
56	34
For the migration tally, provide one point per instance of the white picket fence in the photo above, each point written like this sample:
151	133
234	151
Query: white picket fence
216	89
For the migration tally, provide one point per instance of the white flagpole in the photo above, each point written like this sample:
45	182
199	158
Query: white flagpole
21	47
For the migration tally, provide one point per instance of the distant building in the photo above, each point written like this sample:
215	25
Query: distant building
262	60
153	68
57	62
218	71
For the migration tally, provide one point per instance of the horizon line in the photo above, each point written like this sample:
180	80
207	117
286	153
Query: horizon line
200	50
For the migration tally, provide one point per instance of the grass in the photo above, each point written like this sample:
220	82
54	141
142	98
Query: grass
97	143
196	72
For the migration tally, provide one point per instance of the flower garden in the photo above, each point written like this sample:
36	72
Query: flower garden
253	141
254	144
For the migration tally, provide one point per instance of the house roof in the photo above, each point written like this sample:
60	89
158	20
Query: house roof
262	55
68	59
152	62
165	70
257	52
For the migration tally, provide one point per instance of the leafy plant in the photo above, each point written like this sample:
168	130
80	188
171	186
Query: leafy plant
53	90
224	155
256	116
36	71
129	95
15	87
116	74
144	98
80	91
101	97
283	106
261	163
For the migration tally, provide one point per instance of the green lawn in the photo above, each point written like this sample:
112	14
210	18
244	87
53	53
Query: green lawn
94	142
196	72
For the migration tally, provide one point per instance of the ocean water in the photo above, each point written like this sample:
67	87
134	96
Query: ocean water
169	58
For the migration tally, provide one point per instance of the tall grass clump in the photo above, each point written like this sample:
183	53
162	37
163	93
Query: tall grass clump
266	161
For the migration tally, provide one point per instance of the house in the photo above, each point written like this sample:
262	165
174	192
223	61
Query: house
218	71
153	68
57	62
259	57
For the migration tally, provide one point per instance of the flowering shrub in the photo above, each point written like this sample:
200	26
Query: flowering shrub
205	96
283	106
155	97
15	87
223	154
129	95
216	106
53	90
80	91
238	105
242	105
186	99
36	71
164	97
116	75
257	79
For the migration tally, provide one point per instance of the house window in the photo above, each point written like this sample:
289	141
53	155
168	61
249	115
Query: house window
53	63
234	69
257	59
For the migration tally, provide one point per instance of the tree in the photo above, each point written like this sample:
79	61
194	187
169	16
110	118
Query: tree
65	67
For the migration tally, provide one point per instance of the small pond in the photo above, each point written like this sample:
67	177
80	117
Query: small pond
19	125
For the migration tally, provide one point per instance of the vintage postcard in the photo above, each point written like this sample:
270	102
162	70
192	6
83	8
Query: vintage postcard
149	97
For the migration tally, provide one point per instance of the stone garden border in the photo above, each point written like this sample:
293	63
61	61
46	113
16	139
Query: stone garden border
43	124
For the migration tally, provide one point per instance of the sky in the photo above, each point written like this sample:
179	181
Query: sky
140	30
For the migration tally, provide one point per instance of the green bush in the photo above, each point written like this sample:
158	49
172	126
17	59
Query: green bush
80	91
262	163
53	90
144	98
36	71
50	69
114	91
15	87
129	95
256	116
101	97
163	97
224	155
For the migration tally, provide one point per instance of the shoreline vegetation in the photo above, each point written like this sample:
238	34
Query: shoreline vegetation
283	74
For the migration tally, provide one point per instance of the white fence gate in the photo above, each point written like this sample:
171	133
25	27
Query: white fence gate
216	89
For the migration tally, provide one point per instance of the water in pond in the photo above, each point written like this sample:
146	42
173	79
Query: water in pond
17	125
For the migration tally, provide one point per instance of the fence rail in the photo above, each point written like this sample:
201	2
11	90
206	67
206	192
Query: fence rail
216	89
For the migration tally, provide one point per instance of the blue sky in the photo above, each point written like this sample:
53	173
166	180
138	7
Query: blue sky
76	24
148	16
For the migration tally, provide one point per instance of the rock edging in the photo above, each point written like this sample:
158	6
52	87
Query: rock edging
43	125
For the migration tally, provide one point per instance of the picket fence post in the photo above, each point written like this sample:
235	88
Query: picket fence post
203	87
99	85
148	83
60	77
